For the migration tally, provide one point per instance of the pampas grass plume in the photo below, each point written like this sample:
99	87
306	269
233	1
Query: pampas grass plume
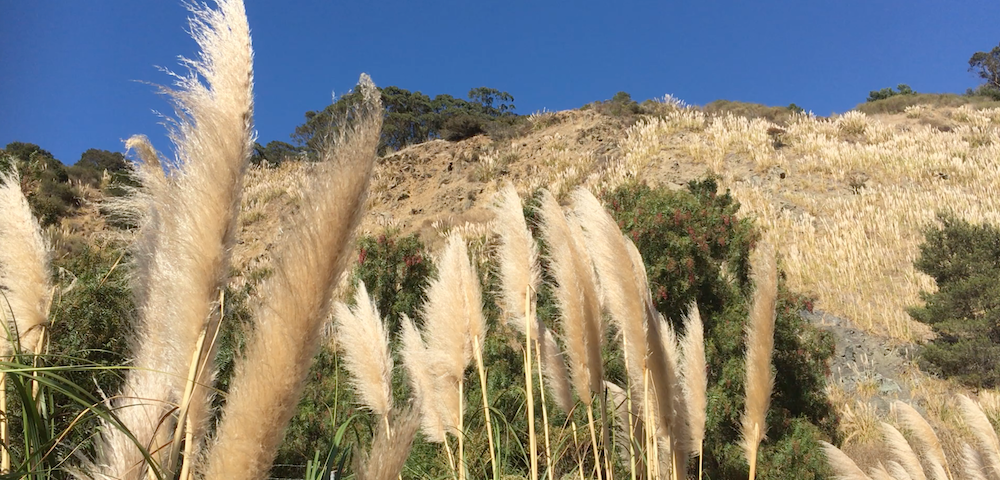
760	343
902	452
24	266
294	303
972	463
924	438
842	465
365	345
982	430
389	450
695	373
415	359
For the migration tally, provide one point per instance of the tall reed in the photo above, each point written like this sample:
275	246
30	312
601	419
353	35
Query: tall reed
694	370
759	346
292	304
26	288
842	465
188	255
924	439
580	312
25	272
364	343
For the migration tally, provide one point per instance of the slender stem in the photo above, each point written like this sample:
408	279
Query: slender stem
593	440
451	456
701	459
461	429
486	408
5	453
631	421
545	412
579	457
529	395
652	450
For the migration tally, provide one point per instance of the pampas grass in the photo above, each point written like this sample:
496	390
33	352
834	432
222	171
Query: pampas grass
25	278
390	448
902	453
579	305
416	359
924	438
365	346
973	464
189	260
694	370
293	304
982	431
760	343
842	465
454	330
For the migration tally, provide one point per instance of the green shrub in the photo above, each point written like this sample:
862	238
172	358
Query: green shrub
876	95
696	248
462	126
964	261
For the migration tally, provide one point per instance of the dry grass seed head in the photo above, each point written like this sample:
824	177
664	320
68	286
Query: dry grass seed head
363	340
973	464
415	359
294	303
195	231
576	296
389	449
983	432
844	468
25	279
694	371
760	343
519	271
902	453
924	439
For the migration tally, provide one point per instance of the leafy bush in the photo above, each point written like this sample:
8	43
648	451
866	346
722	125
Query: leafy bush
876	95
620	105
964	261
462	126
695	248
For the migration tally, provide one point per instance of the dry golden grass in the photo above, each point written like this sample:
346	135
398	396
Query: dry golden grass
847	216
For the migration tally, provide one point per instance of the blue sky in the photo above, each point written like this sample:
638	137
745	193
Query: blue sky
71	72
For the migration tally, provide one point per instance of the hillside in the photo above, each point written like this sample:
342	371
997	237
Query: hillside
844	198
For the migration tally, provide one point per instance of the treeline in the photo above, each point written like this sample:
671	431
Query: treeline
55	190
410	118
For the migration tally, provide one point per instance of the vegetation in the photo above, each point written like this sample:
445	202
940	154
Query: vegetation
902	89
964	313
413	117
986	66
776	115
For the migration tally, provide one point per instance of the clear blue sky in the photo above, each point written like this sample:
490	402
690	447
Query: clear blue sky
70	70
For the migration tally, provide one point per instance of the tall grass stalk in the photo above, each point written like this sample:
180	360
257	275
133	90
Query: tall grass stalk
842	465
296	300
576	296
529	395
759	346
902	452
695	374
188	253
924	438
983	432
